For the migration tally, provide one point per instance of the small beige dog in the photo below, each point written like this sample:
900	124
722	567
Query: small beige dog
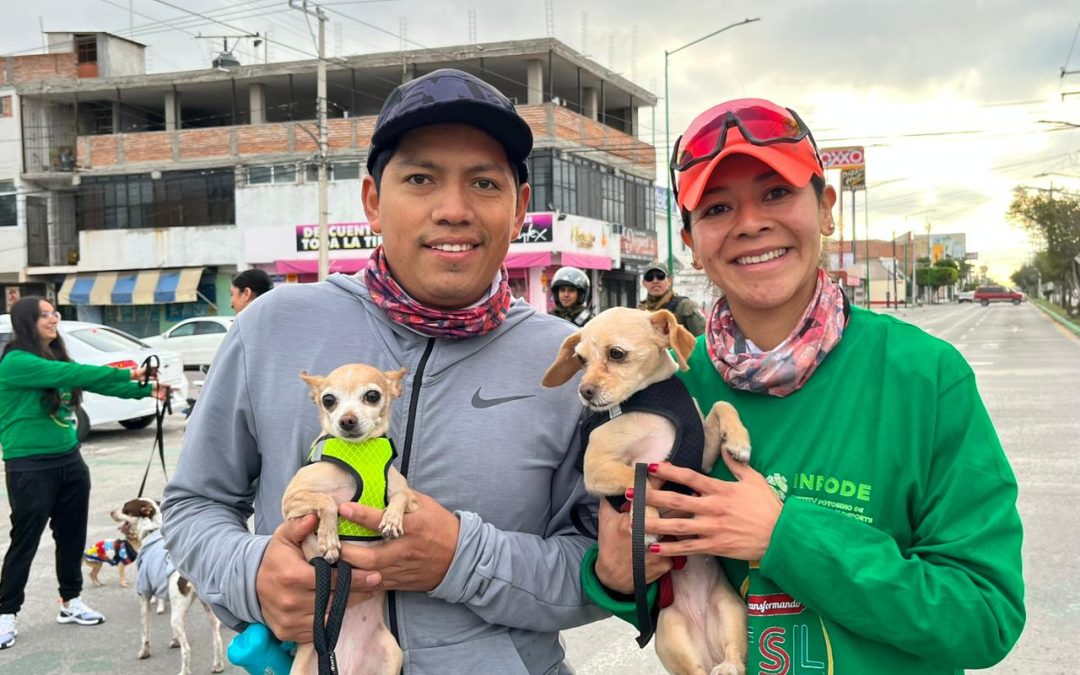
624	352
354	411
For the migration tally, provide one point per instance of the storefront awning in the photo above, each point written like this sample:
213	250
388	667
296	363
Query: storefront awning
131	287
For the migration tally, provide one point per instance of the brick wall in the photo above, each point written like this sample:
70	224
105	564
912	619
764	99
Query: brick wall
249	142
18	69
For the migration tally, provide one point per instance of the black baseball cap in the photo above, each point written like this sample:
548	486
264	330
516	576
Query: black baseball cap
448	96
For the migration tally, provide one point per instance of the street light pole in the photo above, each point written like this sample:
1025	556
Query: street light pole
320	94
667	130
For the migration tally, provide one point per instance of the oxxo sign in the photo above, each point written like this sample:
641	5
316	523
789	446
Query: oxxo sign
843	158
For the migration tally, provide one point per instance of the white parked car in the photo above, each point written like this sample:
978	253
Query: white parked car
98	345
197	339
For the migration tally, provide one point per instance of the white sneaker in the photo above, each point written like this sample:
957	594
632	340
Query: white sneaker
77	612
7	631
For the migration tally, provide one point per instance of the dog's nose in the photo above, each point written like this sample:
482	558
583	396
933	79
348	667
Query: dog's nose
588	392
348	422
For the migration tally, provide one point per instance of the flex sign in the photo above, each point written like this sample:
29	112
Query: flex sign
843	158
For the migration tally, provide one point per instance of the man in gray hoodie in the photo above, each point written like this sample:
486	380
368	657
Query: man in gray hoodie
487	572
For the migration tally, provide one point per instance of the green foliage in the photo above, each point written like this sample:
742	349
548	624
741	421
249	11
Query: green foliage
1052	220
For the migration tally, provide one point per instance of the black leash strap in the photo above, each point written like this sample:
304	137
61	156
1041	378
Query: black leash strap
646	627
328	625
161	408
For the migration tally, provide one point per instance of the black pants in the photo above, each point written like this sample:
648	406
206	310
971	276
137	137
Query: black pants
59	496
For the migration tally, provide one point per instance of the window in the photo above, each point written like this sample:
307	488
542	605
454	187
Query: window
208	328
285	173
5	106
187	330
86	49
260	174
346	171
106	339
9	215
178	198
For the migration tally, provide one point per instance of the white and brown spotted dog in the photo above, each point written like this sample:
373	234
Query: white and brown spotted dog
157	578
623	352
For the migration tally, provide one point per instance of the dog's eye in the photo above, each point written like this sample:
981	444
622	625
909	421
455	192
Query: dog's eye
372	396
582	360
329	401
616	354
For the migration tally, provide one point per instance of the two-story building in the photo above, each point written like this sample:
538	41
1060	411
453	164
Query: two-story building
158	188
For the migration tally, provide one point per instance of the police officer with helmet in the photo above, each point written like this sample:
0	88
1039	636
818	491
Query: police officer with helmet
570	288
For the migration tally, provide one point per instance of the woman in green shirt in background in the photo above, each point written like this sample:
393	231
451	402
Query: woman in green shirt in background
47	480
875	529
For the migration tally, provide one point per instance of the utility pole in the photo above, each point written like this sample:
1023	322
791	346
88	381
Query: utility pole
324	234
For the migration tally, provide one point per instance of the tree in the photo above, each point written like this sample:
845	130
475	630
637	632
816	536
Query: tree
1053	220
944	272
1026	278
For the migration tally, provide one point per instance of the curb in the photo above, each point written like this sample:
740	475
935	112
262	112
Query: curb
1059	317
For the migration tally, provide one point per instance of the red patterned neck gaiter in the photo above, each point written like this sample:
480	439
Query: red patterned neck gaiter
445	323
787	367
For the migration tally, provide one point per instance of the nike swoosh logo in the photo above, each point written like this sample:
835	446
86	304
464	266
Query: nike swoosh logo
480	403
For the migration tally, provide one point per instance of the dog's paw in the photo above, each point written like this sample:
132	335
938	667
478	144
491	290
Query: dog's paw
174	643
738	449
144	653
124	584
728	669
392	525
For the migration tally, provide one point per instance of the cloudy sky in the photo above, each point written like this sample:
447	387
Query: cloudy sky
956	101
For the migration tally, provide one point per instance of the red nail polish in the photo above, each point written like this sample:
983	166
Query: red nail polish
653	468
654	548
629	493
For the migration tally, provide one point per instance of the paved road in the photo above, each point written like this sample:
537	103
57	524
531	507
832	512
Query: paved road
1028	371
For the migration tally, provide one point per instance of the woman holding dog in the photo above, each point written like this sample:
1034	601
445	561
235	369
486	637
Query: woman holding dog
47	480
874	530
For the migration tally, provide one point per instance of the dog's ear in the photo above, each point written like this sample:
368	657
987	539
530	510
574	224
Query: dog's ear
314	382
680	340
394	377
566	363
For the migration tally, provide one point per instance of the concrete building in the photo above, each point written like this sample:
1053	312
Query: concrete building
158	188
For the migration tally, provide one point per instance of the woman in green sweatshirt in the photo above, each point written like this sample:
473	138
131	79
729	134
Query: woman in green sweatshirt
47	480
875	529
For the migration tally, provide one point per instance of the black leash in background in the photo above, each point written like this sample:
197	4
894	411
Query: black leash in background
161	408
326	630
646	624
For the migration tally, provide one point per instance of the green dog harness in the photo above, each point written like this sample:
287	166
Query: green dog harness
368	462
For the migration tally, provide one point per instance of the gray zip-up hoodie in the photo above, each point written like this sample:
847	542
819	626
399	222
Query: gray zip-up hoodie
473	429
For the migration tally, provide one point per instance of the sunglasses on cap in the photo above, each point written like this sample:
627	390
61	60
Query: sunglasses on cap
655	275
760	123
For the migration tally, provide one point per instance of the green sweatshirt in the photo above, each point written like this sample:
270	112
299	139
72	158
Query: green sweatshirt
898	547
27	429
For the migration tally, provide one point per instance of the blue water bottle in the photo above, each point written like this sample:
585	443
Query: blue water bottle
257	651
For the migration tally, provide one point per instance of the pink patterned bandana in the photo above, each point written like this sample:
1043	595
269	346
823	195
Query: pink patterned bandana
445	323
789	365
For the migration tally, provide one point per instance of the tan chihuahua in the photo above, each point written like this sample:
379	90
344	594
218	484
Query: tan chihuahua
351	461
623	352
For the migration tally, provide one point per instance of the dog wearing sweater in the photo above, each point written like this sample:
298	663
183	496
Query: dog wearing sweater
642	413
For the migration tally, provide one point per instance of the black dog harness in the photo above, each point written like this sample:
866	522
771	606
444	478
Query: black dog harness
671	400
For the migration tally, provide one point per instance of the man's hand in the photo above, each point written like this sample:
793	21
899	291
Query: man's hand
418	560
614	563
285	582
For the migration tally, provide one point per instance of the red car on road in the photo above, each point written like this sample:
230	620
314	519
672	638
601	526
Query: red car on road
984	295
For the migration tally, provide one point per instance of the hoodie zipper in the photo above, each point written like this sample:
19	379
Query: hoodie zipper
406	452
